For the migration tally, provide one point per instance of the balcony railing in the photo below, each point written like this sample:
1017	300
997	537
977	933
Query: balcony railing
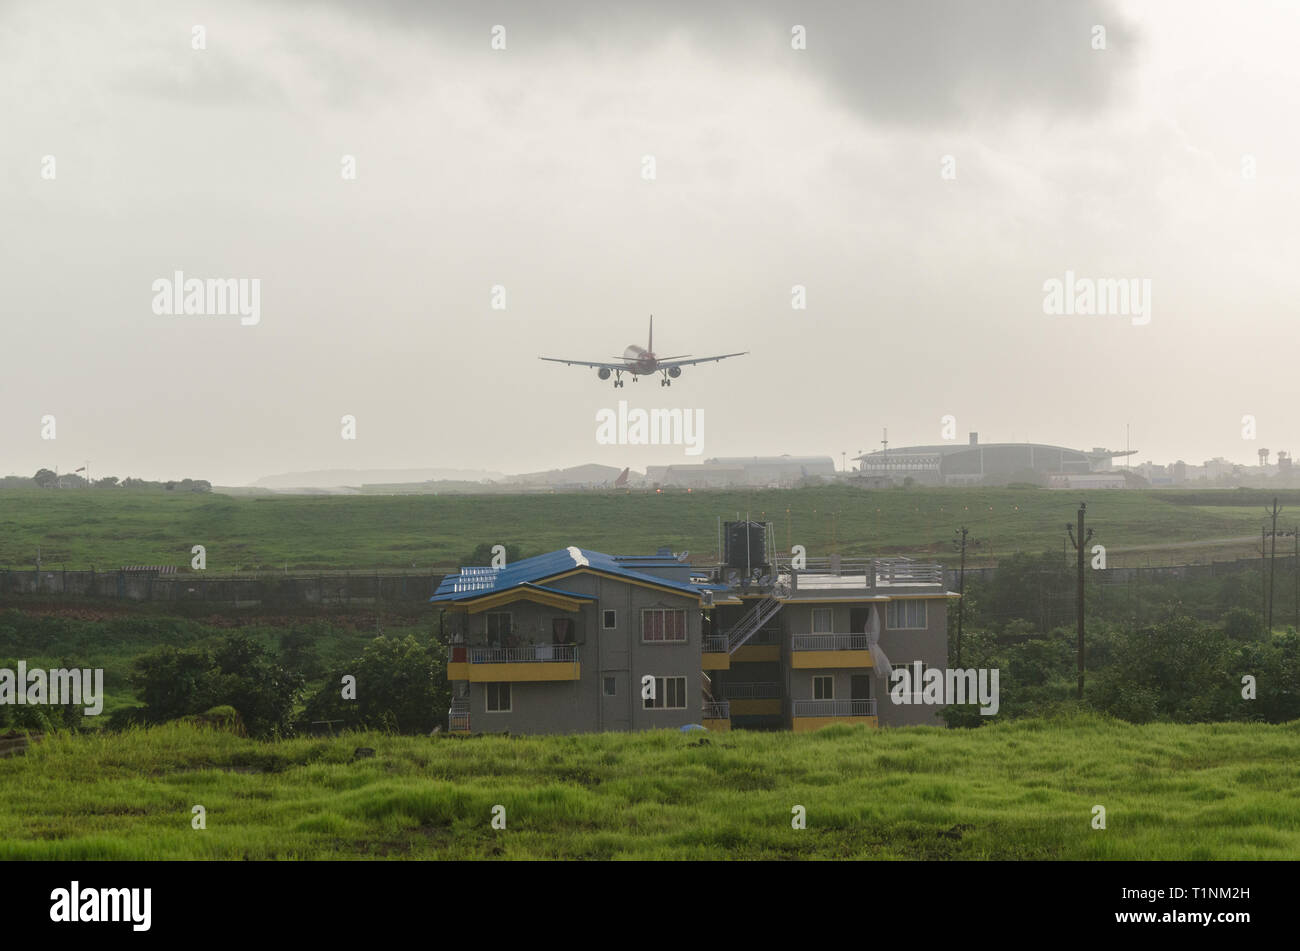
833	708
458	715
751	691
832	574
828	642
717	710
896	571
717	643
533	654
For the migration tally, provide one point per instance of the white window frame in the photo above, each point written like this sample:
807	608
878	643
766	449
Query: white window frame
904	607
827	677
660	701
487	696
604	616
830	622
686	632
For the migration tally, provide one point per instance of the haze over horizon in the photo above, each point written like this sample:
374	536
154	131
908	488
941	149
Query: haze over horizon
522	167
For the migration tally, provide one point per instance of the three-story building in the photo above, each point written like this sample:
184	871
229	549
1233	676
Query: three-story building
581	641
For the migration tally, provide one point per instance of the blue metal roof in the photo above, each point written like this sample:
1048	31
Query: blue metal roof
476	582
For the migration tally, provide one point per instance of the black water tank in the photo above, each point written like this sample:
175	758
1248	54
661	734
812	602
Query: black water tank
745	546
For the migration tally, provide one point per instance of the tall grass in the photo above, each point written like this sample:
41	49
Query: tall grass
108	528
1014	790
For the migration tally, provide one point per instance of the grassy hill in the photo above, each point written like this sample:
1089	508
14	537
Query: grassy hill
1021	790
110	528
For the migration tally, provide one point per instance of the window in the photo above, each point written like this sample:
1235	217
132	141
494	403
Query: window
823	688
906	614
498	698
915	677
611	687
663	624
498	628
609	620
670	694
562	630
821	618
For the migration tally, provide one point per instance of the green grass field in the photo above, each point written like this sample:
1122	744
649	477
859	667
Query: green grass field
1018	790
111	528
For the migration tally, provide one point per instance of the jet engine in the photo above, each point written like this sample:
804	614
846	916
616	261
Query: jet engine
603	373
674	372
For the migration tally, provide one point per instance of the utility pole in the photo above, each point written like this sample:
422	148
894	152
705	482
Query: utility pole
1263	585
961	588
1080	548
1272	562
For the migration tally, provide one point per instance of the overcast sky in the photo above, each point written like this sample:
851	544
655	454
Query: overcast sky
523	167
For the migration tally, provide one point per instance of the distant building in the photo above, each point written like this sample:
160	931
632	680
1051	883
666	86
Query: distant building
979	463
590	476
1088	480
722	471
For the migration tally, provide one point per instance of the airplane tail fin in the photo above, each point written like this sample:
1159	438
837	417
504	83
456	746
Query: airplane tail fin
650	346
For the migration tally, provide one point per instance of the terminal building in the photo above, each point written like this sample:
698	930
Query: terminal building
760	471
977	463
578	641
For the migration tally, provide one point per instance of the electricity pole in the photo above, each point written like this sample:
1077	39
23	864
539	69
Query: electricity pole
1080	548
961	588
1272	562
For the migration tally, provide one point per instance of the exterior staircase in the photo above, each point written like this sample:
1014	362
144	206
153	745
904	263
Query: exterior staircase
752	623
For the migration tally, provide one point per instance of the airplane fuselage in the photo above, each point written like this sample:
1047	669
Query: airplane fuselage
639	360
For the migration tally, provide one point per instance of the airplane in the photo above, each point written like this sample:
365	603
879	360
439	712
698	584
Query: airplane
640	362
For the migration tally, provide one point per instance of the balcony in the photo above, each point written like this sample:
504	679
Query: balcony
714	654
809	715
717	715
763	647
534	662
752	699
822	651
458	715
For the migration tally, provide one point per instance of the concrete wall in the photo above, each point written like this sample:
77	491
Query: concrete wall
270	589
930	646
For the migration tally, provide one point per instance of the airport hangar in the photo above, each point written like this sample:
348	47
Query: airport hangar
977	463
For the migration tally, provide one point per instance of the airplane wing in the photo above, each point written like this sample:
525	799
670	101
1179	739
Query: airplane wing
684	363
586	363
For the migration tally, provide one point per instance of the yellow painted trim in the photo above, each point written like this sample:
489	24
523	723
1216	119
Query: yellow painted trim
717	726
818	660
757	653
808	724
714	660
523	594
458	670
752	708
523	672
611	577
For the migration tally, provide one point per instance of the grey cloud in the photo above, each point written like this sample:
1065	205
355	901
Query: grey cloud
909	62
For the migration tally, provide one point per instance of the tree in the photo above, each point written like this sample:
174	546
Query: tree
482	555
401	685
1179	669
45	478
238	672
